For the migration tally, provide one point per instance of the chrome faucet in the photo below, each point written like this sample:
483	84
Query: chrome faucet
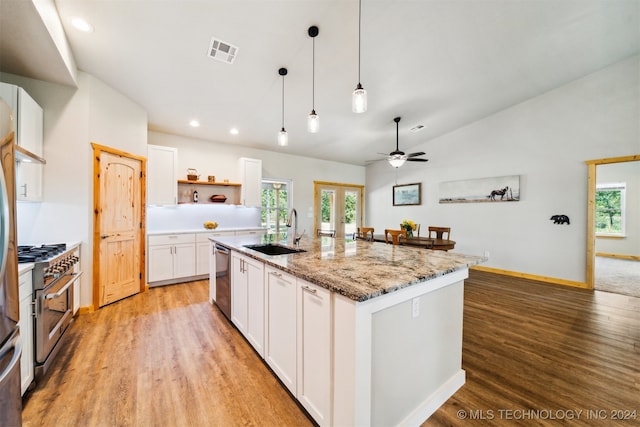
293	218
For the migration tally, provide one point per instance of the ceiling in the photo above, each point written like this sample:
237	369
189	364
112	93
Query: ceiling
442	64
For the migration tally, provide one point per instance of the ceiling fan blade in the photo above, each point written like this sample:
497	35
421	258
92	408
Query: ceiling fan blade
417	160
419	153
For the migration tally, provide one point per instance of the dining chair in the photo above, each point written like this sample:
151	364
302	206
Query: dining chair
395	236
365	233
328	233
439	233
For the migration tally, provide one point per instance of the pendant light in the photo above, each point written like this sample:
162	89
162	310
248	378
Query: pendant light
359	97
313	121
283	138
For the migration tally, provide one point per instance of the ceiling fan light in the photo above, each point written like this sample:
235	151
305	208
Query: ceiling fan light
359	100
283	138
397	161
313	122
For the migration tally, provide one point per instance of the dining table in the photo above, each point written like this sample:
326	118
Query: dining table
423	242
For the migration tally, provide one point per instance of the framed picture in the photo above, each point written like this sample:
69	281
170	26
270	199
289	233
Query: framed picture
407	194
481	190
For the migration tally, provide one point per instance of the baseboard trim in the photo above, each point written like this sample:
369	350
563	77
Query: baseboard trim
85	310
618	256
435	400
545	279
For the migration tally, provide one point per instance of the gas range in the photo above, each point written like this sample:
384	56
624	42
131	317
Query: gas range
50	262
28	253
56	271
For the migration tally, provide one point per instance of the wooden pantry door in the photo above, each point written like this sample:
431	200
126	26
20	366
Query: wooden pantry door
118	232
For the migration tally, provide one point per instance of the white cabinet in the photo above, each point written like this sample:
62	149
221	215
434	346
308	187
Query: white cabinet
251	180
314	351
281	348
247	299
29	125
171	256
162	185
25	290
212	271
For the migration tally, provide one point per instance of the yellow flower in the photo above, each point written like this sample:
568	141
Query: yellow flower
408	224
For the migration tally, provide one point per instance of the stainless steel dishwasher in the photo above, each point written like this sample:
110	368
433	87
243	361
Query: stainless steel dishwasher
223	281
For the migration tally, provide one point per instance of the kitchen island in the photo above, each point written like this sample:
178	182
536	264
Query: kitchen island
361	333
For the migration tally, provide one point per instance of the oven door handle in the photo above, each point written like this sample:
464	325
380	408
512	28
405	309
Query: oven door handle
64	289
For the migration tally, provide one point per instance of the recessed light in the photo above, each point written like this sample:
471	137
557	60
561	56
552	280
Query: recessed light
234	131
194	123
82	25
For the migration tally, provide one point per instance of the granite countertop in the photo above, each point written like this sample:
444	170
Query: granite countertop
359	270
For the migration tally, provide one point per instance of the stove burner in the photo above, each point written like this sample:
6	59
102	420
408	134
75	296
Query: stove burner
39	253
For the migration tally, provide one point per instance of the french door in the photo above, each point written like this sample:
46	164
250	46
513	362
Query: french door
338	207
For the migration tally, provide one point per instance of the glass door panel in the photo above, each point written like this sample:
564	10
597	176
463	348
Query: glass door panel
338	207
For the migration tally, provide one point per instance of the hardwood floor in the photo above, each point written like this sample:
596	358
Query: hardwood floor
530	346
162	358
168	358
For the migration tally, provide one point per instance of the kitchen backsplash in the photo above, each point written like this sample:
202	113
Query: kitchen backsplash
192	216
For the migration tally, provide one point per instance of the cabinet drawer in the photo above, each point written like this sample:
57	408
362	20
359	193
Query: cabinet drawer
170	239
25	285
204	237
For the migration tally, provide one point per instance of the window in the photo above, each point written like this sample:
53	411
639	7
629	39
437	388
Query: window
610	207
276	202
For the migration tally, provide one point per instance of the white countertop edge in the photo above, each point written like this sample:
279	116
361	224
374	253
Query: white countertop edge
24	267
202	230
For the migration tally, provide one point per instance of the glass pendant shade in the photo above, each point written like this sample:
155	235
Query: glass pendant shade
397	161
283	138
359	100
313	122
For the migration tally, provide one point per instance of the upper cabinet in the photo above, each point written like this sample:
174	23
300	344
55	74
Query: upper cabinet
162	167
251	180
29	139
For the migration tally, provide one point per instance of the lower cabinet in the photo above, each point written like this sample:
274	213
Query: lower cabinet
281	346
314	351
289	323
247	299
171	256
25	290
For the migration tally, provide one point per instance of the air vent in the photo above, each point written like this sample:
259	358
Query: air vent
222	51
417	128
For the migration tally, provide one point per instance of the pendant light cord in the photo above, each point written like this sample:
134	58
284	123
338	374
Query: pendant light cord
283	102
313	75
359	35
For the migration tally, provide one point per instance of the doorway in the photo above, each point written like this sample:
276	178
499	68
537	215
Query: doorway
338	207
119	225
613	251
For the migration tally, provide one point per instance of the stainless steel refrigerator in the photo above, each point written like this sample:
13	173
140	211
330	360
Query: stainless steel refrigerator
10	344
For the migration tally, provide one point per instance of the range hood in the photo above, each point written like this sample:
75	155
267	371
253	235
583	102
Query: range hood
23	155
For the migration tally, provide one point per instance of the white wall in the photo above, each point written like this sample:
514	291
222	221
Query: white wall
629	173
221	160
545	140
73	118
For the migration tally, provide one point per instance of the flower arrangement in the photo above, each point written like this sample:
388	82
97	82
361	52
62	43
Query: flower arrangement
210	225
408	225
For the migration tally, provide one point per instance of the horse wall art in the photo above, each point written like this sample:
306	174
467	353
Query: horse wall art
481	190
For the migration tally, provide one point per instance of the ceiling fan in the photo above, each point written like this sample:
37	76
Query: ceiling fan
397	158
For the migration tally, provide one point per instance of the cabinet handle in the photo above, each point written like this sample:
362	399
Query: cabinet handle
310	290
24	194
278	275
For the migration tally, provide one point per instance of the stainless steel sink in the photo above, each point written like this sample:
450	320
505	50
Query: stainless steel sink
274	249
